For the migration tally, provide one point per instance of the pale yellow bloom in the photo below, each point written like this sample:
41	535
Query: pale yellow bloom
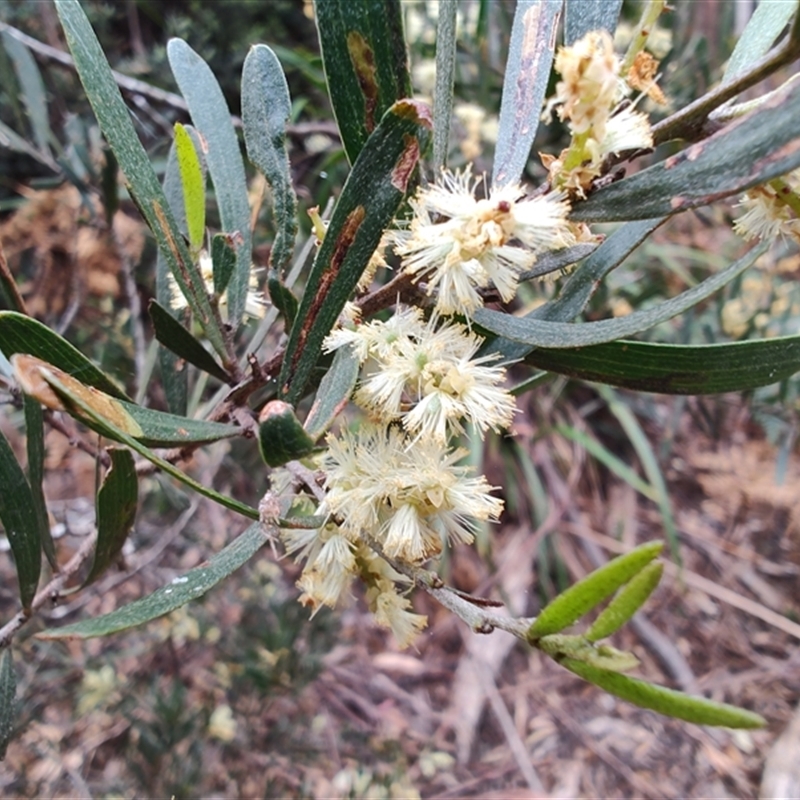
770	210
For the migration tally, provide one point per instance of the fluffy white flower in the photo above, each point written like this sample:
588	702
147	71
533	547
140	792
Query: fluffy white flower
771	210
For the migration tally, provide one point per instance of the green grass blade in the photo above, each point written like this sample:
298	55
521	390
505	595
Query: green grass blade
177	593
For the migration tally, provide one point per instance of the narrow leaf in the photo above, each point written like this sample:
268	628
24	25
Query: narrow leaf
177	593
212	119
555	260
8	700
583	596
223	260
762	145
582	283
665	701
282	298
628	600
32	90
281	437
34	438
444	96
266	108
116	511
176	338
23	334
583	16
369	200
18	515
194	187
115	122
560	335
333	393
530	56
677	369
366	64
764	27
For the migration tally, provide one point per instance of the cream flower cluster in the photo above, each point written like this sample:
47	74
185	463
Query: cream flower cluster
395	487
771	210
460	244
588	98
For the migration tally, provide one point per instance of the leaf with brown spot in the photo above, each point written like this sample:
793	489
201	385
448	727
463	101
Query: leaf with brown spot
368	203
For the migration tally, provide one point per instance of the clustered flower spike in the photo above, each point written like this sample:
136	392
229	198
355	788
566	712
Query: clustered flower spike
771	210
588	98
460	244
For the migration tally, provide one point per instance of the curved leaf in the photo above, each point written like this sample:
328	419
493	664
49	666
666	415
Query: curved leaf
115	122
116	511
177	593
366	64
34	443
281	437
582	283
172	335
677	369
754	149
567	335
193	182
583	596
583	16
18	515
211	117
665	701
20	333
266	108
369	200
530	56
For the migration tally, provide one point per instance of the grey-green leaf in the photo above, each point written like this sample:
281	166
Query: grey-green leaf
583	16
560	335
666	701
8	700
444	96
266	107
145	190
116	511
223	260
530	56
752	150
628	600
175	594
212	119
583	596
21	523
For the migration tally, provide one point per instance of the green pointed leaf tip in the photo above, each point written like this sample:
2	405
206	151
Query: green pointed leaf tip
116	510
8	700
282	298
193	186
665	701
572	604
628	600
281	437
